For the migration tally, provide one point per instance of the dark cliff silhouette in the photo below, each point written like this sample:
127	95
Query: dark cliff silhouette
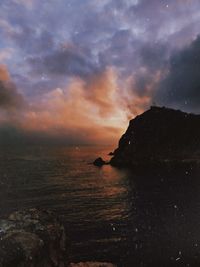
159	135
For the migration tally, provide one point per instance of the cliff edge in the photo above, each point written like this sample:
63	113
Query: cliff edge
159	135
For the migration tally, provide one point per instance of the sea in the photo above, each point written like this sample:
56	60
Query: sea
130	218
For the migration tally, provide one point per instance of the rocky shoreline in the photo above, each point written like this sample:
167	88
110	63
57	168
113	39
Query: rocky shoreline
36	238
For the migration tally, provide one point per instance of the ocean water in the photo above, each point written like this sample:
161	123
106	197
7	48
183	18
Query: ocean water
118	215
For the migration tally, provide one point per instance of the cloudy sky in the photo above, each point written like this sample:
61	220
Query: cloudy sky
76	71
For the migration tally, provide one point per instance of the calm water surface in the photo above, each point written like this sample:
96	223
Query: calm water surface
129	218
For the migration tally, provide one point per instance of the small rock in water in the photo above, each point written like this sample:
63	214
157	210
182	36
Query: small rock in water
99	162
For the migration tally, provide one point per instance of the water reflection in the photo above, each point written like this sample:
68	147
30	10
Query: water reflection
166	212
133	219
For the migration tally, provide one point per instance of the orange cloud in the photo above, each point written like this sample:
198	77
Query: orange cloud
4	74
95	110
88	110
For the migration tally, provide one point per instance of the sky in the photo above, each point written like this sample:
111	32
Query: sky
76	71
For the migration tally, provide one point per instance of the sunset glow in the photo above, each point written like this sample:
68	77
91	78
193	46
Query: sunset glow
82	77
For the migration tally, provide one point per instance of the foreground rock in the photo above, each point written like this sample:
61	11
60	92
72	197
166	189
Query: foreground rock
99	162
32	238
160	135
92	264
35	238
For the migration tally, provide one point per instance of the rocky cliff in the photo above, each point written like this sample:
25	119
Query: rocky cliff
32	238
36	238
159	135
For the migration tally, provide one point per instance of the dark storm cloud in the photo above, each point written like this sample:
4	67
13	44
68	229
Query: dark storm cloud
181	87
120	52
152	62
153	56
10	134
64	61
30	40
47	45
9	97
13	135
109	33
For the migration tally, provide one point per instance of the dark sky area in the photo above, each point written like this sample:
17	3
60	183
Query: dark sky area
76	71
